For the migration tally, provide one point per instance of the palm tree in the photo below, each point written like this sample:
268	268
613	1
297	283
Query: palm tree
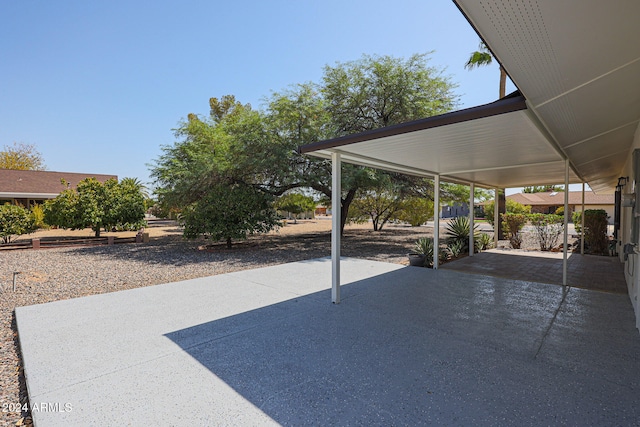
137	184
480	58
484	57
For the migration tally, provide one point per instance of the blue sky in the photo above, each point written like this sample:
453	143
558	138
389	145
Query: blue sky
98	86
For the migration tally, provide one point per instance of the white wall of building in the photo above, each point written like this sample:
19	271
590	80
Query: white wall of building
632	264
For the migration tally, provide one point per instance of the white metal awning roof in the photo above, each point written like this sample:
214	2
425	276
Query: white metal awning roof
499	145
577	65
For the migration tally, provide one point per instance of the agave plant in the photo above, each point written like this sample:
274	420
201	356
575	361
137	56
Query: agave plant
424	246
484	241
458	230
455	248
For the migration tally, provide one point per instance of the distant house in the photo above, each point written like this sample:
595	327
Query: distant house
454	210
27	187
549	202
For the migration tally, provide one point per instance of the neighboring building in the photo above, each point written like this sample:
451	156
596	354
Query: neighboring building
550	201
454	210
27	187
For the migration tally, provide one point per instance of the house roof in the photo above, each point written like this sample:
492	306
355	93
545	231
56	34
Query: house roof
40	184
551	198
577	70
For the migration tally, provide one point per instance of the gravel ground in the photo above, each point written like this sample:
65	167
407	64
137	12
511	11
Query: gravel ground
62	273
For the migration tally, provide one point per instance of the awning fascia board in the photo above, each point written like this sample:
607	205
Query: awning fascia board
501	106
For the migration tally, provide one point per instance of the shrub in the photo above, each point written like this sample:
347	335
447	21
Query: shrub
458	230
595	231
548	229
37	214
424	246
484	241
559	211
576	217
443	255
512	207
14	221
416	211
512	224
455	248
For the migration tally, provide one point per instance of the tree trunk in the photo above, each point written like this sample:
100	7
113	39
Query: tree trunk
228	242
346	202
503	82
96	229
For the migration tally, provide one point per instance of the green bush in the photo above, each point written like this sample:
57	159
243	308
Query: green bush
37	214
548	228
559	211
512	224
416	211
512	207
576	217
14	221
484	241
595	231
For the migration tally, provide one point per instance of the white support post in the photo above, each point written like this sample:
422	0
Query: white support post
496	217
566	223
336	205
436	220
471	218
582	223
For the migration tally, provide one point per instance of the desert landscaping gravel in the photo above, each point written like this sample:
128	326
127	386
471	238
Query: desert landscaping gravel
70	272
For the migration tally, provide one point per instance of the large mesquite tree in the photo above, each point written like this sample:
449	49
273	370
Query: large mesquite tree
237	145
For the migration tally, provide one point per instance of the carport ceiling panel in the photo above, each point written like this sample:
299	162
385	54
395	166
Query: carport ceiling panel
602	146
601	106
550	47
493	142
550	173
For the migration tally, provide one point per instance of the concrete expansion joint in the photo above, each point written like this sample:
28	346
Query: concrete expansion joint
565	292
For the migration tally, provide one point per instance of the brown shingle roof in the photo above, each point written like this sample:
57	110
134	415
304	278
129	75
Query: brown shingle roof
42	182
557	198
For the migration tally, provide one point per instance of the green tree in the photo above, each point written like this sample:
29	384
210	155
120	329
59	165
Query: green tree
239	145
375	92
483	57
416	210
96	205
295	203
229	211
542	188
14	221
21	156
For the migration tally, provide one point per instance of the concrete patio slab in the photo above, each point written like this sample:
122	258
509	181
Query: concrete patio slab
406	346
594	272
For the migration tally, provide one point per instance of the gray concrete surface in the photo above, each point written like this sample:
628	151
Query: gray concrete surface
407	346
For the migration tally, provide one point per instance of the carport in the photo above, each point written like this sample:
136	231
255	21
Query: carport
573	119
496	145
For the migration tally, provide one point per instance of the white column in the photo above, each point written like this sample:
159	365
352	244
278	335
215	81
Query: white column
496	217
336	205
566	222
582	223
471	218
436	220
